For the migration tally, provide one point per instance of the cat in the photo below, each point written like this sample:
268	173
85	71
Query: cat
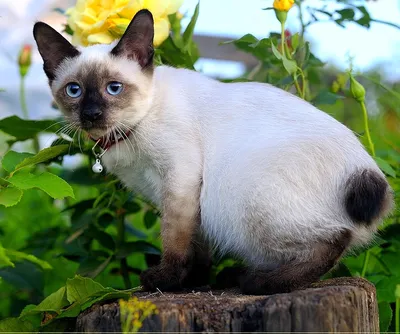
246	169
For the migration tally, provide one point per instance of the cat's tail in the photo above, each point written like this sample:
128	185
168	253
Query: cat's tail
369	197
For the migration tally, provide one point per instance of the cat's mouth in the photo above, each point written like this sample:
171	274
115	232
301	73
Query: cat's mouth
110	139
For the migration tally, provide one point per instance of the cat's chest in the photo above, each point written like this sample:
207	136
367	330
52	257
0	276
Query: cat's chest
140	175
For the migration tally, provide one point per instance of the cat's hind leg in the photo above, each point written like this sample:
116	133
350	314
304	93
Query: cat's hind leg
297	274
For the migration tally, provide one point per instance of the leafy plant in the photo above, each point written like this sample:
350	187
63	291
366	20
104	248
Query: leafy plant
58	222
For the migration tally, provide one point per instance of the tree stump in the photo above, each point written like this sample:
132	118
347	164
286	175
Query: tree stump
336	305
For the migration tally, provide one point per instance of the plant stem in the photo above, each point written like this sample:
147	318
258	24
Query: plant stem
22	98
297	86
303	78
283	38
24	108
365	264
120	241
366	129
303	26
286	53
397	316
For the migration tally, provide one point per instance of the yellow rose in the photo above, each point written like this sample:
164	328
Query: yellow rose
283	5
103	21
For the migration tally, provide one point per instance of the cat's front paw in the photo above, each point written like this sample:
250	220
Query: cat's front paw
163	277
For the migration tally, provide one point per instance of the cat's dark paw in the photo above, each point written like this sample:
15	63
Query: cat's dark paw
163	277
199	276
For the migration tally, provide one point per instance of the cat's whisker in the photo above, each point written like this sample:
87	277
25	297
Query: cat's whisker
66	127
62	121
73	140
126	139
79	140
117	146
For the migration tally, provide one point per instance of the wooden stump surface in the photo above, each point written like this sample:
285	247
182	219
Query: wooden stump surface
337	305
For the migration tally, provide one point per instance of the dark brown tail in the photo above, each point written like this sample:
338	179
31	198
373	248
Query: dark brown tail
368	196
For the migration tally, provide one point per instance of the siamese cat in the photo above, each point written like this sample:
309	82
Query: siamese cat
245	168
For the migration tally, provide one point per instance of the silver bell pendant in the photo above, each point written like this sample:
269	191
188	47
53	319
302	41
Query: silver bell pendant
97	167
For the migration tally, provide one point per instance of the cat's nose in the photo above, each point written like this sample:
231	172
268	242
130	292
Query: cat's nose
91	114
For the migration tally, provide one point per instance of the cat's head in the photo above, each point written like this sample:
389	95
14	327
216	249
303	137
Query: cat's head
101	86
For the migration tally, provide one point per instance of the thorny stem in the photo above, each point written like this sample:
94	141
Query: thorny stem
120	241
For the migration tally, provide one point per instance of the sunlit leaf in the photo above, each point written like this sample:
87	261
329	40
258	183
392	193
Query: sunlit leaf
48	182
10	196
23	129
44	155
11	159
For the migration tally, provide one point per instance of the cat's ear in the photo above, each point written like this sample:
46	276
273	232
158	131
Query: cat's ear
53	48
137	41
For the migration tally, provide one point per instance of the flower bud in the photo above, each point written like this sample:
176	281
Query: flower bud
24	59
356	89
283	5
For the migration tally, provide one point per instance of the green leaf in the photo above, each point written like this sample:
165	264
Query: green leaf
250	44
188	33
397	291
150	218
5	261
275	51
175	56
16	325
71	311
53	303
79	289
48	182
346	14
246	39
289	65
26	129
385	167
44	155
326	97
92	266
12	159
25	276
17	256
386	289
385	316
136	247
132	207
295	39
10	196
106	296
102	237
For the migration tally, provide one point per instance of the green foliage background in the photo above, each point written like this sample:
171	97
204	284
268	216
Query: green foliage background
56	223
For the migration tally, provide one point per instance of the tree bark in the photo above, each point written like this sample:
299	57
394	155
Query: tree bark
336	305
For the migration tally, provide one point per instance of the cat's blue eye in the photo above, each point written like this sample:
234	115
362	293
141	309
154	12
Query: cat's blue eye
114	88
73	90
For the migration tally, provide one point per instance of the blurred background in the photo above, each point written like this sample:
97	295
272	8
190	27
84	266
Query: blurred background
376	48
107	234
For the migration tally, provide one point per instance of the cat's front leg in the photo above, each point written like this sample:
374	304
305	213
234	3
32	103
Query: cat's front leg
179	225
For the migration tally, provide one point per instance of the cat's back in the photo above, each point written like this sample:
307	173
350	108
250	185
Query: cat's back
240	106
